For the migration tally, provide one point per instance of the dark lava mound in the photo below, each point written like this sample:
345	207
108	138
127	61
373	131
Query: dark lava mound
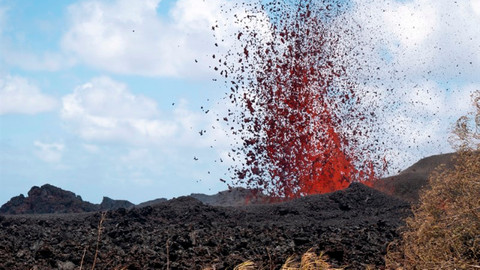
352	226
50	199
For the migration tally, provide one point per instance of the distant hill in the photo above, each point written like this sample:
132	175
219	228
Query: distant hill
51	199
150	203
408	182
233	197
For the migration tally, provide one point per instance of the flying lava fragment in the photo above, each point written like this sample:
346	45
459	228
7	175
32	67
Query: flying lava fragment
298	116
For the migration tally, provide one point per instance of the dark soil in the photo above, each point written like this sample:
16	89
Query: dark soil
353	227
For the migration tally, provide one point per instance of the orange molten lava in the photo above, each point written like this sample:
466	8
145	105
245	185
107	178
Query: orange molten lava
298	114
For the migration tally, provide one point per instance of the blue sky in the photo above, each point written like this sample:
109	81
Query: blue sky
87	87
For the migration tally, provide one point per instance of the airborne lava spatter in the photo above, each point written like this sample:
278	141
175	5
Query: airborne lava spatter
297	111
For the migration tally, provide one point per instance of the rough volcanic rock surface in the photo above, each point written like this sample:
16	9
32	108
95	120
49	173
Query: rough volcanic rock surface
110	204
151	202
51	199
47	199
352	226
236	196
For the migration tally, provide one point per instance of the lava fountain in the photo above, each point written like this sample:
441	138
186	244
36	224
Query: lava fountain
298	116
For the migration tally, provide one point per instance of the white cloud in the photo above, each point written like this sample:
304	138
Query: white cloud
132	38
18	95
475	6
412	23
423	38
104	110
419	123
428	54
49	152
128	37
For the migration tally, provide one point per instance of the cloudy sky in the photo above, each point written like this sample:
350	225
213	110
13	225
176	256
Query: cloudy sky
107	97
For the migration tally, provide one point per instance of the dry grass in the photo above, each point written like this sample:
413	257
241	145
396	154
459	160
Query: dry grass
248	265
309	261
97	245
444	232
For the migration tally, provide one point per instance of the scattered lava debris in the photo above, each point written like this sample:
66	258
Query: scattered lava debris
296	110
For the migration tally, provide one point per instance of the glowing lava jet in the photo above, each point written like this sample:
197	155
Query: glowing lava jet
297	110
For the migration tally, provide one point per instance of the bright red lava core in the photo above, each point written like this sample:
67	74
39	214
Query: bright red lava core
297	109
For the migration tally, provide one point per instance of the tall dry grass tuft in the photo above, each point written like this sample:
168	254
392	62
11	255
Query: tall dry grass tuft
309	261
248	265
99	235
444	232
97	247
